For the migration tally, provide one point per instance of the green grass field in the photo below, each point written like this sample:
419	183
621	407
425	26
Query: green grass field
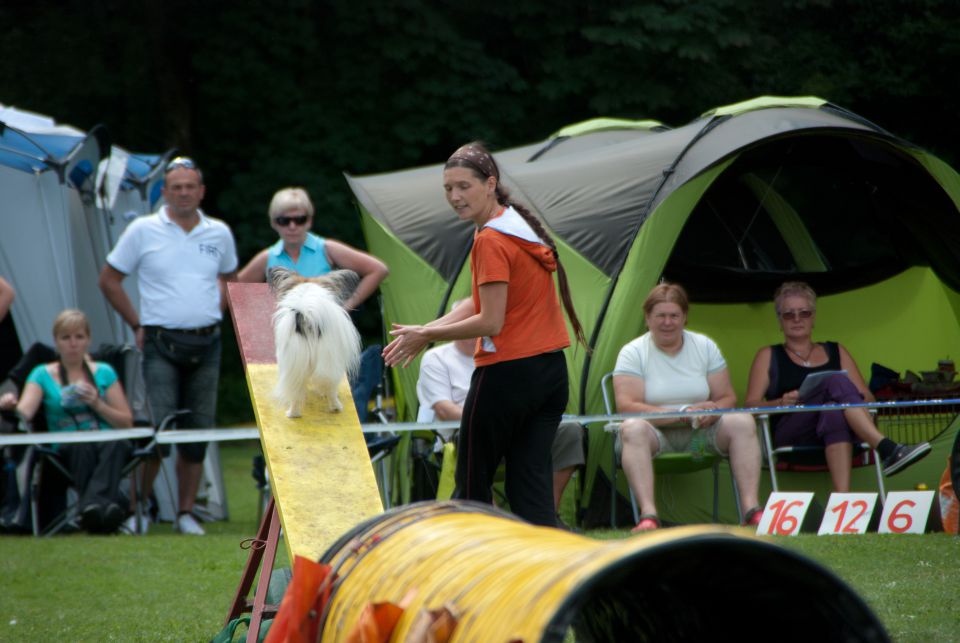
167	587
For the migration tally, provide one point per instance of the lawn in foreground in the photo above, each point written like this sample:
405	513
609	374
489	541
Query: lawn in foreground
167	587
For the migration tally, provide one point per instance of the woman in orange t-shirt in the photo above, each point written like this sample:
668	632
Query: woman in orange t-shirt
519	389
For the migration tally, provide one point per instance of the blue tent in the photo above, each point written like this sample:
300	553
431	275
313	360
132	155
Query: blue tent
68	195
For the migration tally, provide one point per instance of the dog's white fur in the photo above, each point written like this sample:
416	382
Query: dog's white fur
317	343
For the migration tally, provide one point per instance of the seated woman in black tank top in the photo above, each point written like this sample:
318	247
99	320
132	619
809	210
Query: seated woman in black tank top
776	377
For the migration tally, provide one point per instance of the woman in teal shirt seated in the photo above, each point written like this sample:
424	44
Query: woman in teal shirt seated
81	395
291	216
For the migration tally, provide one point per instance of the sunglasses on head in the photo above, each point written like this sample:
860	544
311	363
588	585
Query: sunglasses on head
283	220
181	161
803	313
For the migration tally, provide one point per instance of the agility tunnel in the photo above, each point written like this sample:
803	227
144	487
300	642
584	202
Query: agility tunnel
505	580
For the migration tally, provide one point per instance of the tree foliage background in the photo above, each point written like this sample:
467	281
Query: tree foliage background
295	92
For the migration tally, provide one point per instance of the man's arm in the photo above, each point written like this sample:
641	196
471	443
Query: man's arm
222	285
435	387
447	411
111	284
7	295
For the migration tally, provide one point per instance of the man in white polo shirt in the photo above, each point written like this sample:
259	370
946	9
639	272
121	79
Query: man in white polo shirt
182	259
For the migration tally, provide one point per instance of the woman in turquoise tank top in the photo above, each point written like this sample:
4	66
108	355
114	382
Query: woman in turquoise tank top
291	215
78	394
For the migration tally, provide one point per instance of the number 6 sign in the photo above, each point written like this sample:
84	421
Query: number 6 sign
784	513
847	513
906	512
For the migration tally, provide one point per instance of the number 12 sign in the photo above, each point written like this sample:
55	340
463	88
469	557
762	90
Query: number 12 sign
784	513
847	513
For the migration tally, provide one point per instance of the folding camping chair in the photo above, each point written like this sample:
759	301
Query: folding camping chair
664	463
812	458
381	445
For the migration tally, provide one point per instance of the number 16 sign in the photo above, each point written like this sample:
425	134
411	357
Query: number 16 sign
784	513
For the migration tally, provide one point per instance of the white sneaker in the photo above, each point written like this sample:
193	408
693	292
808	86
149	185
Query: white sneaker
187	524
129	525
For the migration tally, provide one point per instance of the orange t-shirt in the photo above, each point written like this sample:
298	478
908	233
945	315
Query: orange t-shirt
533	322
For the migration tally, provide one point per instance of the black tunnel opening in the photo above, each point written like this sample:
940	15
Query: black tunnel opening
716	588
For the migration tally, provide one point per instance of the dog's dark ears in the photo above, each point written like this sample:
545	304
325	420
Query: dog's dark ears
281	279
342	283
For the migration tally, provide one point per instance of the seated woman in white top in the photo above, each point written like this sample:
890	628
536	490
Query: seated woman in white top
671	368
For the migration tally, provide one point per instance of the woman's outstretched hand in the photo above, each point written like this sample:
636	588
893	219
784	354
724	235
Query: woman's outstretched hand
407	343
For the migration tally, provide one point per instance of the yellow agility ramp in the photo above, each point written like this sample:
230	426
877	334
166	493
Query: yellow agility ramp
320	472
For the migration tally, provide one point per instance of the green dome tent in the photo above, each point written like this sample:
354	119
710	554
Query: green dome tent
730	205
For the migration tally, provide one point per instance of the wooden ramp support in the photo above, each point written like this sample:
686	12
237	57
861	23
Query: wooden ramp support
320	473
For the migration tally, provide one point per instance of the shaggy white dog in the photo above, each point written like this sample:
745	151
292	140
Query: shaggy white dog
317	343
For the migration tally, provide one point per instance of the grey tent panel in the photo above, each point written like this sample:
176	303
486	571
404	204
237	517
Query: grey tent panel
595	190
411	204
566	145
594	200
718	138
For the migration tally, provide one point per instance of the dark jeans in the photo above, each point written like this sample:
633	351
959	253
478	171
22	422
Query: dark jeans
181	372
365	381
511	413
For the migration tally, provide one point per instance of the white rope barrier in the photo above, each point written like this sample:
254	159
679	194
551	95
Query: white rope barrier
765	410
74	437
401	427
180	436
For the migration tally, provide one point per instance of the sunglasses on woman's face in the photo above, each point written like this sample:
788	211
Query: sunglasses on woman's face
794	315
283	221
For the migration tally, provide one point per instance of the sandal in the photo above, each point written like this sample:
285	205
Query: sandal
753	517
648	522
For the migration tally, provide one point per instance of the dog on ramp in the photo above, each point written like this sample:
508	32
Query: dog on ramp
317	343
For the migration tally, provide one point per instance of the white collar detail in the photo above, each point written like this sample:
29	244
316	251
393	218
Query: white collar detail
511	223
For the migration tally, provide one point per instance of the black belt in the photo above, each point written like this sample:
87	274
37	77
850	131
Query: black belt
205	330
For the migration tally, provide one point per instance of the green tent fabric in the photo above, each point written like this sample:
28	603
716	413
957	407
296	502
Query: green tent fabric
730	205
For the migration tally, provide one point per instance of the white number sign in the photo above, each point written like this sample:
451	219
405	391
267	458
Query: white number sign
906	512
848	513
784	513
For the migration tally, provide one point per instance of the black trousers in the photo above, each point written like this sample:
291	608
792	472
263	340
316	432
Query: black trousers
95	467
511	413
